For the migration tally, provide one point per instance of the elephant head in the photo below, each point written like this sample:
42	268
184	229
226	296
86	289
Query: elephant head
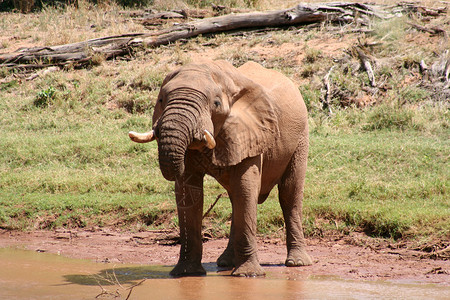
210	105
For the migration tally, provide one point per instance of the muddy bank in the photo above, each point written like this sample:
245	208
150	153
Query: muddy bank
348	257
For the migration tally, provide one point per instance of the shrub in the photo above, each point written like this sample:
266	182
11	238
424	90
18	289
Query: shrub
45	97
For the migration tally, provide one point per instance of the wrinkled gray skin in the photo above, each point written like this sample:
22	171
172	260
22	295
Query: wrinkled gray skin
259	121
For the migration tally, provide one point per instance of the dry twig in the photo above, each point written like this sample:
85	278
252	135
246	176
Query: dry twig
133	286
213	204
114	281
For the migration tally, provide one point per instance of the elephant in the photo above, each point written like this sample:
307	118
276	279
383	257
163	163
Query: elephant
247	127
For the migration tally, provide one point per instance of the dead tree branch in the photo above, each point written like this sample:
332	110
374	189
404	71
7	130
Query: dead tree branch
432	30
327	97
365	63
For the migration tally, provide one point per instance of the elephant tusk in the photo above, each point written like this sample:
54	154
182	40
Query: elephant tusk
209	139
142	137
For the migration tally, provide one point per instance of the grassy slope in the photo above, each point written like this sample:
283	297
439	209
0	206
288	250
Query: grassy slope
65	159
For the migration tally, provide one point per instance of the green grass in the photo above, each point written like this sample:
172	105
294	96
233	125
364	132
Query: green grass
389	183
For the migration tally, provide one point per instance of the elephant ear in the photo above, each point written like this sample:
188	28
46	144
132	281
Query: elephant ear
251	126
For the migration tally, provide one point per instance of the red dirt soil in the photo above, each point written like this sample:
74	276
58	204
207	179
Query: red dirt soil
348	257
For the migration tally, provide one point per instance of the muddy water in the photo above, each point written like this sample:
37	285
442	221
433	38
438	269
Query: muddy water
32	275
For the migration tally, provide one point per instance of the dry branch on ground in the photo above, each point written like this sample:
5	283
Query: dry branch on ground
420	10
431	30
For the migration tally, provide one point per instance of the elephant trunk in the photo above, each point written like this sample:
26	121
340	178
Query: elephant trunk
178	126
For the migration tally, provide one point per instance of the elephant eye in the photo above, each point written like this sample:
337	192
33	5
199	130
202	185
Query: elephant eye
160	100
217	103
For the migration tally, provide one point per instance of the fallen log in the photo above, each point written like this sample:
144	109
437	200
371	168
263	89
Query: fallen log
114	46
74	53
294	16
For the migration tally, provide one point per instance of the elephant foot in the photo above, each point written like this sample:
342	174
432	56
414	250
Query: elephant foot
226	259
186	268
250	268
297	258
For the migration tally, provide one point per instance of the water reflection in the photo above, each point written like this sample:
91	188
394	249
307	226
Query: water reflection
119	275
26	274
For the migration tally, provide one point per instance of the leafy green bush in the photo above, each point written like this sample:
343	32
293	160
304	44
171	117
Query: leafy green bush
45	97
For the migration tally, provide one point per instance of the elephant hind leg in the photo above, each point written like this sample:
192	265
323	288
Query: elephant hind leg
291	200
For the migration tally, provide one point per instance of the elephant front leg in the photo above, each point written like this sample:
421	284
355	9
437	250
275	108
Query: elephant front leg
245	187
226	259
189	196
